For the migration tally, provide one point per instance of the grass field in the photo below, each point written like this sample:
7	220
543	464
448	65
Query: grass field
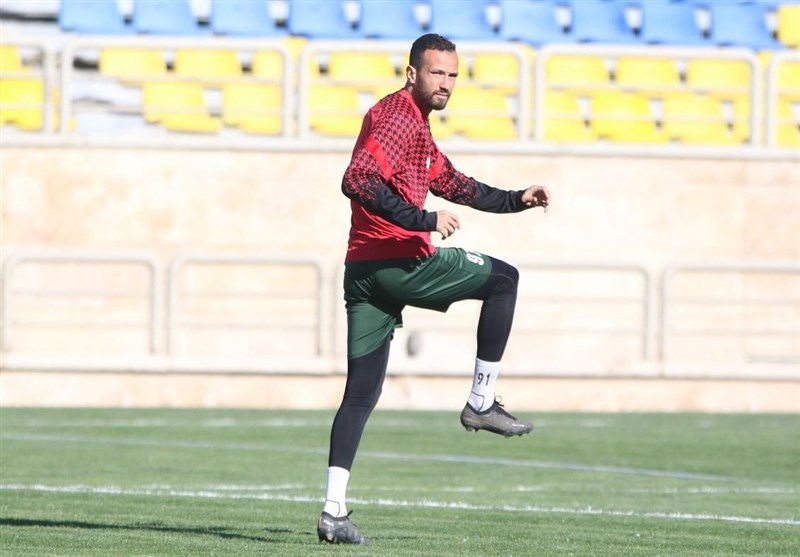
120	483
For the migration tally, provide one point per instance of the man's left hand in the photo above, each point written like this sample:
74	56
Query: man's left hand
536	196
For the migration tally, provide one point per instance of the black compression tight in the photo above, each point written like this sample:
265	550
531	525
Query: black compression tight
499	295
365	377
365	374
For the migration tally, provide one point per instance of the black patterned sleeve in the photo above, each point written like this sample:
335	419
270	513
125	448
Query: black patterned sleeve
455	186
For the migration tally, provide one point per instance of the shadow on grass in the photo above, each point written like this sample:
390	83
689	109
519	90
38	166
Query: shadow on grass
210	531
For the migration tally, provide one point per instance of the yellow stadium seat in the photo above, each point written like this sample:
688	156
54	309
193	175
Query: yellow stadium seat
788	128
268	64
500	71
360	66
368	71
789	24
789	80
253	108
480	113
334	110
624	117
726	78
647	73
439	127
10	61
22	103
697	119
213	66
132	64
179	107
741	111
577	73
564	120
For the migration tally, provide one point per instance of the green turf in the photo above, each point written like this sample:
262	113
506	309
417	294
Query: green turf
127	483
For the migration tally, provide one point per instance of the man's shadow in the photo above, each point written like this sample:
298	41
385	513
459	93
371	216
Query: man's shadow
220	532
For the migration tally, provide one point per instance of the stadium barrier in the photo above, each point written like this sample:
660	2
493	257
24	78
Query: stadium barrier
262	314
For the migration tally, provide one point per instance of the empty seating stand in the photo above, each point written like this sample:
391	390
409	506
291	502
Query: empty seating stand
92	17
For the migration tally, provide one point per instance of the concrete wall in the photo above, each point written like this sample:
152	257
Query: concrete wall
646	211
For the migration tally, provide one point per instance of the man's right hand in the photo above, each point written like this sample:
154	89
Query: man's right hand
446	223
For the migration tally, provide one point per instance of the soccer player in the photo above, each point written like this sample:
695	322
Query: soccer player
391	263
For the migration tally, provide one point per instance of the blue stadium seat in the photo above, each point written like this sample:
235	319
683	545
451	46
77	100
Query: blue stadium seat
389	20
462	20
320	19
532	22
243	18
166	18
741	25
92	17
600	22
670	23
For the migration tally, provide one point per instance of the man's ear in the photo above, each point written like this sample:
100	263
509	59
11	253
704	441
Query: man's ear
411	74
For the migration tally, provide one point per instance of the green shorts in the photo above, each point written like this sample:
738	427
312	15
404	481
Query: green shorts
375	292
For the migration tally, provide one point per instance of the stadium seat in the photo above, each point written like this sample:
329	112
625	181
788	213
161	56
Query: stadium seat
366	71
267	64
92	17
532	22
564	120
243	18
22	103
624	117
696	119
11	61
788	125
600	22
166	18
361	66
253	108
497	70
670	23
788	80
461	20
179	107
647	73
741	25
334	110
132	64
728	78
320	19
789	25
439	128
741	111
577	73
212	66
480	113
390	20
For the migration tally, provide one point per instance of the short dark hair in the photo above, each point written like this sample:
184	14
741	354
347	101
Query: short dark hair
431	41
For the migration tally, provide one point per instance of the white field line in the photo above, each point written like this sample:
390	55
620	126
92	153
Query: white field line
428	504
456	459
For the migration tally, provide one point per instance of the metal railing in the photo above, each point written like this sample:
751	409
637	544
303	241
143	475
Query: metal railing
10	293
739	327
620	306
178	295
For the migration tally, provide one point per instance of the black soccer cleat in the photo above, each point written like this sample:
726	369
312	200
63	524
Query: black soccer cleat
494	419
339	530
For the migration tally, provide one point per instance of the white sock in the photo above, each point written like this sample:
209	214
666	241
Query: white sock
336	491
482	395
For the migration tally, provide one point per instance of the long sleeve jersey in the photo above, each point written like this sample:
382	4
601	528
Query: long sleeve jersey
395	163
